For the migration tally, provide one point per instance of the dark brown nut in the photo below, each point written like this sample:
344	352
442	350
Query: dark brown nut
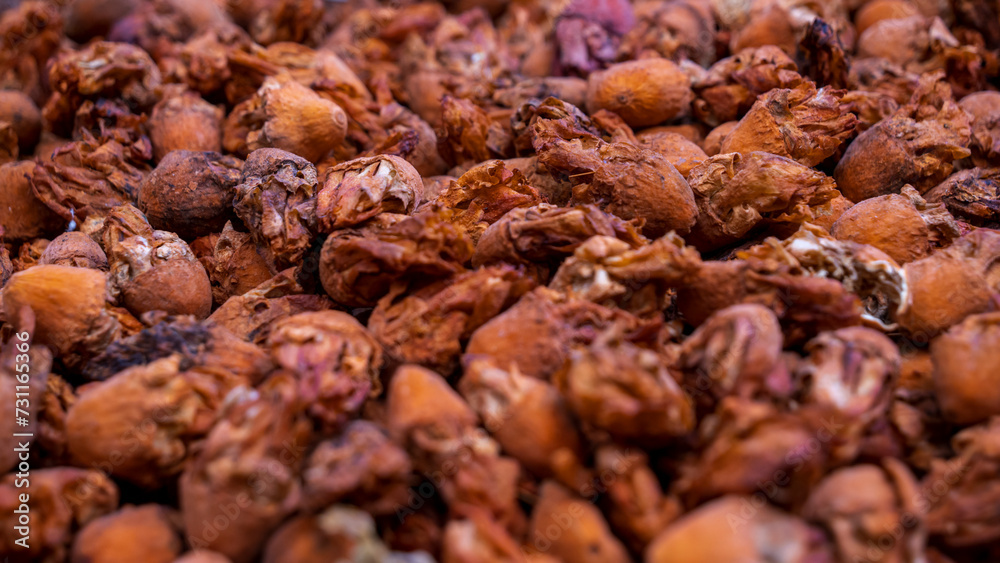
527	416
804	124
878	10
86	19
964	366
588	539
234	263
736	193
621	178
101	69
736	351
202	556
185	122
617	387
190	193
63	500
429	326
139	424
22	214
731	86
747	443
286	115
113	537
249	462
952	284
964	485
361	467
357	267
544	234
972	196
715	138
916	146
359	189
251	315
470	135
21	112
683	153
276	199
334	359
70	306
612	273
644	92
757	531
75	249
903	226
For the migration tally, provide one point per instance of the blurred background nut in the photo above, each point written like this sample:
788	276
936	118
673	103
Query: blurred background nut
965	368
113	537
190	193
357	190
22	214
202	556
587	538
86	19
24	117
75	249
644	92
185	122
877	10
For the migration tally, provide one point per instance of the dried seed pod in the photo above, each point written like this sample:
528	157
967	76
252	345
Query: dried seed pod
146	417
185	122
736	193
731	86
335	362
190	193
22	214
112	537
757	531
644	92
75	249
250	460
964	365
361	466
804	124
234	263
469	134
359	189
24	117
276	199
251	315
71	308
972	196
63	500
903	226
587	539
683	153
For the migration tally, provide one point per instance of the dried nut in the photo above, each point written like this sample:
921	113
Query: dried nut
981	105
26	120
359	189
965	361
22	214
86	19
185	122
190	193
70	306
588	539
770	25
826	215
113	537
683	153
644	92
235	264
715	138
75	249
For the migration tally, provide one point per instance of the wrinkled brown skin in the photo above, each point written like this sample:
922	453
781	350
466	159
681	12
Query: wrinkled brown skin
251	315
334	359
890	223
146	417
234	263
75	249
971	195
965	362
113	537
190	193
644	92
359	189
753	534
63	500
362	467
683	153
185	122
588	539
24	117
731	86
251	458
22	214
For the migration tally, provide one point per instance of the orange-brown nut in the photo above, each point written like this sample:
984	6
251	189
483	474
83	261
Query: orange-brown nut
250	315
981	104
715	138
185	122
965	369
683	153
75	249
22	214
878	10
359	189
235	264
587	538
113	537
644	92
825	215
24	116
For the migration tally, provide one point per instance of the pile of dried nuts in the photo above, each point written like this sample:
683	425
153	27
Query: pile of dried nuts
478	281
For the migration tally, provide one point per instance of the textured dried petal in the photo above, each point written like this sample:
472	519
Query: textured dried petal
359	189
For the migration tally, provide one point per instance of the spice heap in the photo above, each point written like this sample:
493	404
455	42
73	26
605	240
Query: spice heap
474	281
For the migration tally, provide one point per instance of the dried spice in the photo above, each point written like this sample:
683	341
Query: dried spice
359	189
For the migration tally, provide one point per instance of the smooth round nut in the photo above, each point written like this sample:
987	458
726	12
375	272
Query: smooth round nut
75	249
178	287
644	92
22	113
967	369
890	223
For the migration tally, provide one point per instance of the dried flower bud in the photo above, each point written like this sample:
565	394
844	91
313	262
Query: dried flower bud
22	214
964	364
588	539
185	122
75	249
190	193
644	92
804	124
359	189
113	536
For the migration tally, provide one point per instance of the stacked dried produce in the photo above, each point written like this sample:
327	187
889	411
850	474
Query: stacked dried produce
475	281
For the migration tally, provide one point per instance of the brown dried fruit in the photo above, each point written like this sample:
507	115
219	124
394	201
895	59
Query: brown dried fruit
234	263
964	367
22	214
644	92
683	153
25	119
359	189
112	537
731	86
75	249
251	315
587	539
185	122
971	195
